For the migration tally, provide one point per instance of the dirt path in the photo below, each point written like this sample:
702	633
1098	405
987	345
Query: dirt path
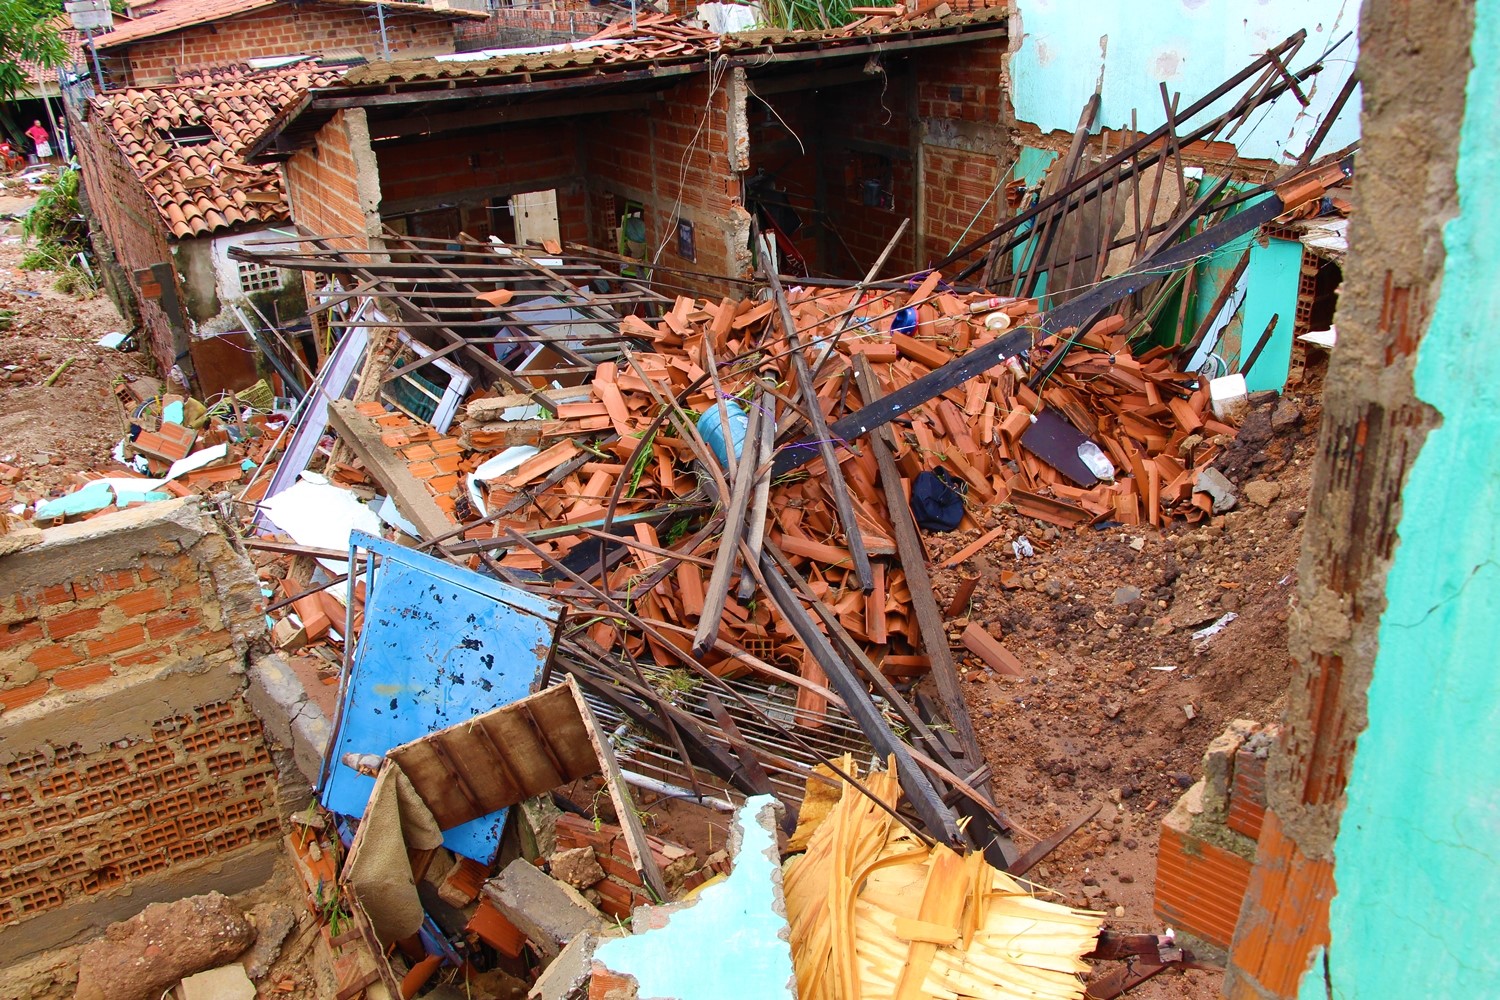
52	431
1104	621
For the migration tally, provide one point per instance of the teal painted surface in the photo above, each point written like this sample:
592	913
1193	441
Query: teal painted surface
1273	274
1192	45
1271	280
96	496
731	943
1031	167
1417	860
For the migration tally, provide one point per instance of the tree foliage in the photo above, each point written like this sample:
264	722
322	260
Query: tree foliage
28	35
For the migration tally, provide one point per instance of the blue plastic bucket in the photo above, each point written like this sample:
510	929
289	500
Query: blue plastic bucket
711	428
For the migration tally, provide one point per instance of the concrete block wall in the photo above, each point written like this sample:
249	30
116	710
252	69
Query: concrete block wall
286	29
132	768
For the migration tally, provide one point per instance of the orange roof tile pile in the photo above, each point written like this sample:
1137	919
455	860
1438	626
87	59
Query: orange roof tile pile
1149	419
200	182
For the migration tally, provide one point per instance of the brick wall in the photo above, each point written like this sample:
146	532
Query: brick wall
331	186
676	160
131	766
133	226
1208	841
965	149
560	21
869	132
931	132
470	170
285	30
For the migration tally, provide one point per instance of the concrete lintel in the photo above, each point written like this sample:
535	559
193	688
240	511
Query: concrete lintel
550	913
119	540
86	916
973	137
121	709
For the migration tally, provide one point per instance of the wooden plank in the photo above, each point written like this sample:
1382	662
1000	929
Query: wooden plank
717	591
825	439
389	469
932	629
760	499
496	760
619	794
861	707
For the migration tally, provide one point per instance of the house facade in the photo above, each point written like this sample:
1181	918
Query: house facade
170	35
171	194
663	142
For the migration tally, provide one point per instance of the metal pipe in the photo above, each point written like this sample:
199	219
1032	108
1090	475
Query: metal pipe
676	792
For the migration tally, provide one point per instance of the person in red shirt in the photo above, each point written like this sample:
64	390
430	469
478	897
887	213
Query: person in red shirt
43	141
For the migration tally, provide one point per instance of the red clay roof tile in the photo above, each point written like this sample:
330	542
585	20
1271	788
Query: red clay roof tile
199	183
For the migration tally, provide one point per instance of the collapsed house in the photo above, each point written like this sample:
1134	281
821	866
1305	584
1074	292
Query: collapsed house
551	522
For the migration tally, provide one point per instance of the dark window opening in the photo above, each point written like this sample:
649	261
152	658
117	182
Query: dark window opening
189	135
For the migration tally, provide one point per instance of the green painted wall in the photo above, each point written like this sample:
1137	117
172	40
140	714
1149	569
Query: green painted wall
1417	860
1272	277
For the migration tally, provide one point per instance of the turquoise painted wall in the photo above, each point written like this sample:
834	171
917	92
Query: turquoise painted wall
1417	860
1192	45
733	942
1271	279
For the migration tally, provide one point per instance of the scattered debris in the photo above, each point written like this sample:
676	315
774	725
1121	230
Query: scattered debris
151	952
877	912
1204	636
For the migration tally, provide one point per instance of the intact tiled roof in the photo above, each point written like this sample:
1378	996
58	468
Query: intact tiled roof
77	45
200	182
167	16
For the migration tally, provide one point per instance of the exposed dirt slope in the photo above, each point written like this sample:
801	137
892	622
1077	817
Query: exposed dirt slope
50	431
1103	621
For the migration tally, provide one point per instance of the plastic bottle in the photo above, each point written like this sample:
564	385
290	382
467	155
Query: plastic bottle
1098	462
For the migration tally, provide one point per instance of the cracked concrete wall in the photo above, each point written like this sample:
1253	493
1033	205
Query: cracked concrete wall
1419	831
1379	634
1373	422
